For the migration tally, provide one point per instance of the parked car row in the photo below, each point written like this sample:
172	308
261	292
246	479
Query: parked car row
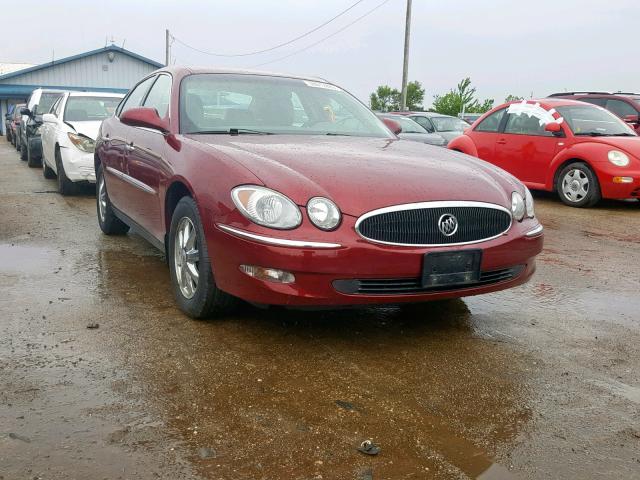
57	129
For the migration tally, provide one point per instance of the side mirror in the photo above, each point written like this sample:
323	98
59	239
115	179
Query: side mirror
552	127
631	118
144	117
7	116
25	111
392	125
49	118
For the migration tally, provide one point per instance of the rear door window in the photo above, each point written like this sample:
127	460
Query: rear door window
491	123
425	123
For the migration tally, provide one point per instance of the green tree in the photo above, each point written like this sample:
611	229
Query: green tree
512	98
415	96
463	97
385	99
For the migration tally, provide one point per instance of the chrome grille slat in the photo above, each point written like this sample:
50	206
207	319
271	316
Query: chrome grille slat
417	224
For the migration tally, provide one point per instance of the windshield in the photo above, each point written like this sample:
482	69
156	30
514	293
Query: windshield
90	109
408	125
221	103
589	120
449	124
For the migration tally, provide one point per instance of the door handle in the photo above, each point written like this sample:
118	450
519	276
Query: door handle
502	141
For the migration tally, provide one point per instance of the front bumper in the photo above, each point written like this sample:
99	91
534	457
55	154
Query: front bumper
611	186
78	165
321	272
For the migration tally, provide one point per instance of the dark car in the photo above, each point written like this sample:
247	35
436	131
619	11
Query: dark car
624	105
30	146
8	118
14	124
253	202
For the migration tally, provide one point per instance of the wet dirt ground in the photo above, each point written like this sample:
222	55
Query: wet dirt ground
542	381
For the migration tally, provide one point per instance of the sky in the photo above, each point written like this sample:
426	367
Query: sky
507	47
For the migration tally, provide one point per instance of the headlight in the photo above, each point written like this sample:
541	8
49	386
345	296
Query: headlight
266	207
618	158
323	213
517	206
83	143
528	200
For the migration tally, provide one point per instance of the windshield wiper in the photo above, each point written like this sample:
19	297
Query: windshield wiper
601	134
231	131
334	134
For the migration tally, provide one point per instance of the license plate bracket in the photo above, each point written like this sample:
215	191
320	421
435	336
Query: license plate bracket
452	268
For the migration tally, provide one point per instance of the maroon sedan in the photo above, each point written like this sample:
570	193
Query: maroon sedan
287	190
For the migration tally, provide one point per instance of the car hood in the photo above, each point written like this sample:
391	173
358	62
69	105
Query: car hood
363	174
429	138
628	144
88	129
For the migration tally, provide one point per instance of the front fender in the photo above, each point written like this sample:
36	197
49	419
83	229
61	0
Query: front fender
590	153
463	144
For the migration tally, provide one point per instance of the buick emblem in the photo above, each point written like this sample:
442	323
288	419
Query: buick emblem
448	224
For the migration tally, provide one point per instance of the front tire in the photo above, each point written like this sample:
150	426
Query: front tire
109	223
578	186
65	186
190	265
23	151
47	171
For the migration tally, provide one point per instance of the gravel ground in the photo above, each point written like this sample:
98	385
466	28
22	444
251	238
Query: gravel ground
542	381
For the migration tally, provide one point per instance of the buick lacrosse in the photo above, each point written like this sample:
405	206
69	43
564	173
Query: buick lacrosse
283	190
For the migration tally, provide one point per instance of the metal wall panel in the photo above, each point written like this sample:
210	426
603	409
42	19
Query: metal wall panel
92	71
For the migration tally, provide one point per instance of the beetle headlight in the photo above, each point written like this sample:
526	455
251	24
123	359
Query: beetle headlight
83	143
323	213
618	158
517	206
266	207
528	201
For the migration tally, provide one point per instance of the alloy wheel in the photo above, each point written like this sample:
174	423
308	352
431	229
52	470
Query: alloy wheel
186	257
575	185
102	199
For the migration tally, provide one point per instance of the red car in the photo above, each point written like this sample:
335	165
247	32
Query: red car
287	190
581	151
624	105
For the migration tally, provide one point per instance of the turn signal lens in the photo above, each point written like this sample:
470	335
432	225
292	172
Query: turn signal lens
268	274
622	179
517	206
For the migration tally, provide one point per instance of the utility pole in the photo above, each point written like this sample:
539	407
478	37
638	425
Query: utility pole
167	48
405	68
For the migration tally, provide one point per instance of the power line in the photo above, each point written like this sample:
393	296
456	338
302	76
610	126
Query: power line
324	38
246	54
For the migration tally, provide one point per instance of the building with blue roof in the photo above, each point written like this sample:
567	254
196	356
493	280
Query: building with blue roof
109	69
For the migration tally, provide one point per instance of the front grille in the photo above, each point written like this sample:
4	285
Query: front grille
405	286
418	224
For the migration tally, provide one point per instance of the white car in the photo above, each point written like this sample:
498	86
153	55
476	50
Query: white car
69	133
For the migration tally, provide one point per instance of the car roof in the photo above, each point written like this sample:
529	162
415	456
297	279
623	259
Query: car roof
96	94
549	103
183	70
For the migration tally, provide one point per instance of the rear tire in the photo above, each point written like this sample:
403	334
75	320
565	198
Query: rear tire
578	186
32	162
17	143
65	186
109	223
23	151
189	262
